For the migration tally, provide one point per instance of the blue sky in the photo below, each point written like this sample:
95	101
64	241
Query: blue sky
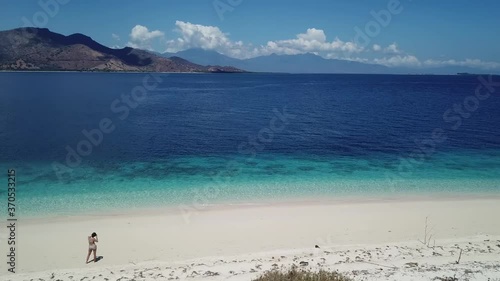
419	33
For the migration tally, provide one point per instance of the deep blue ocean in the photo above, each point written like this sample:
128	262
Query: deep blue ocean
204	139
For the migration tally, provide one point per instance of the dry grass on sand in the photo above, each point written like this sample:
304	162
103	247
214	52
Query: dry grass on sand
295	274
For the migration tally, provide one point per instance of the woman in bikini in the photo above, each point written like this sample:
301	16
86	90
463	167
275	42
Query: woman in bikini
92	246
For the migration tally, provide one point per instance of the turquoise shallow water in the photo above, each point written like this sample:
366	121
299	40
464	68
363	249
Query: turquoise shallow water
199	182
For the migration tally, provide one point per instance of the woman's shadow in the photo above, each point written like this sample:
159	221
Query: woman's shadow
97	259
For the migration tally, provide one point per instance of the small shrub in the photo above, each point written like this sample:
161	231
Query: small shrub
302	275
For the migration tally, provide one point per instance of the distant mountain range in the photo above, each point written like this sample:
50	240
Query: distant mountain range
304	63
41	49
309	63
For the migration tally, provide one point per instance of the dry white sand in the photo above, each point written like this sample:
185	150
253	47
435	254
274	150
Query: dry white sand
368	240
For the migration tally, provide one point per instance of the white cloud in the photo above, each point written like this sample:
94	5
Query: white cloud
212	38
399	60
314	40
476	63
358	59
142	33
200	36
413	62
208	38
339	57
313	34
392	49
393	57
141	37
115	37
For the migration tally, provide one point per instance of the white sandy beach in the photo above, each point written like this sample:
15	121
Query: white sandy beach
366	240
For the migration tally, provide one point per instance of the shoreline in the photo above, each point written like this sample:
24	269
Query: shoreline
104	72
213	234
292	201
247	72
